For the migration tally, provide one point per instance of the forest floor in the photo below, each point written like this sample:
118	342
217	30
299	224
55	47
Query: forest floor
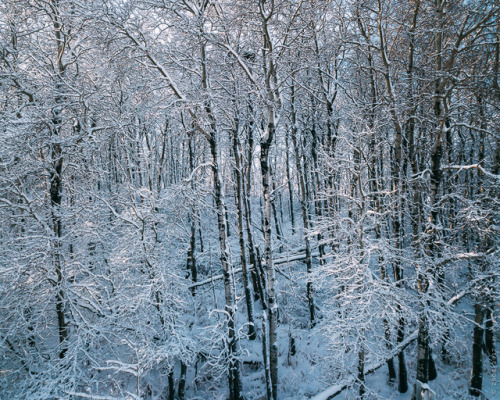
311	373
307	374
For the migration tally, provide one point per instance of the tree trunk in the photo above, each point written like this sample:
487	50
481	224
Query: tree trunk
246	189
431	245
271	279
305	211
361	372
403	373
390	362
56	182
422	351
489	338
181	391
265	354
171	385
289	184
265	147
279	236
191	258
319	205
234	371
397	216
476	382
239	207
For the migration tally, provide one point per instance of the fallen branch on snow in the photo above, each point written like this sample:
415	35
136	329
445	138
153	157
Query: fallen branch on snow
332	391
277	261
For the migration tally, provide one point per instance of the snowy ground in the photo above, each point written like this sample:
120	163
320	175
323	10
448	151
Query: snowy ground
307	375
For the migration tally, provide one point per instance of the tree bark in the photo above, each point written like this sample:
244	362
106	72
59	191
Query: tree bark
252	334
171	385
234	367
489	338
191	257
476	382
271	279
305	211
361	372
181	390
246	189
234	371
56	182
265	147
289	184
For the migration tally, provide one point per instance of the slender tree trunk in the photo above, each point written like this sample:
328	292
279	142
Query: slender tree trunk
235	388
171	385
396	166
262	285
56	182
289	183
476	382
305	211
181	390
234	367
489	339
56	198
265	147
279	236
265	353
486	243
376	188
423	278
246	189
239	208
331	136
361	371
318	204
422	351
397	216
271	279
191	257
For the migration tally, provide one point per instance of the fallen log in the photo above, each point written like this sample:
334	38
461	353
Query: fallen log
278	261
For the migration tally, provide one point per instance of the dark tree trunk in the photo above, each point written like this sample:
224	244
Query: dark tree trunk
422	351
403	373
489	339
181	391
171	385
56	199
361	372
289	184
432	366
261	279
476	382
390	362
56	182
